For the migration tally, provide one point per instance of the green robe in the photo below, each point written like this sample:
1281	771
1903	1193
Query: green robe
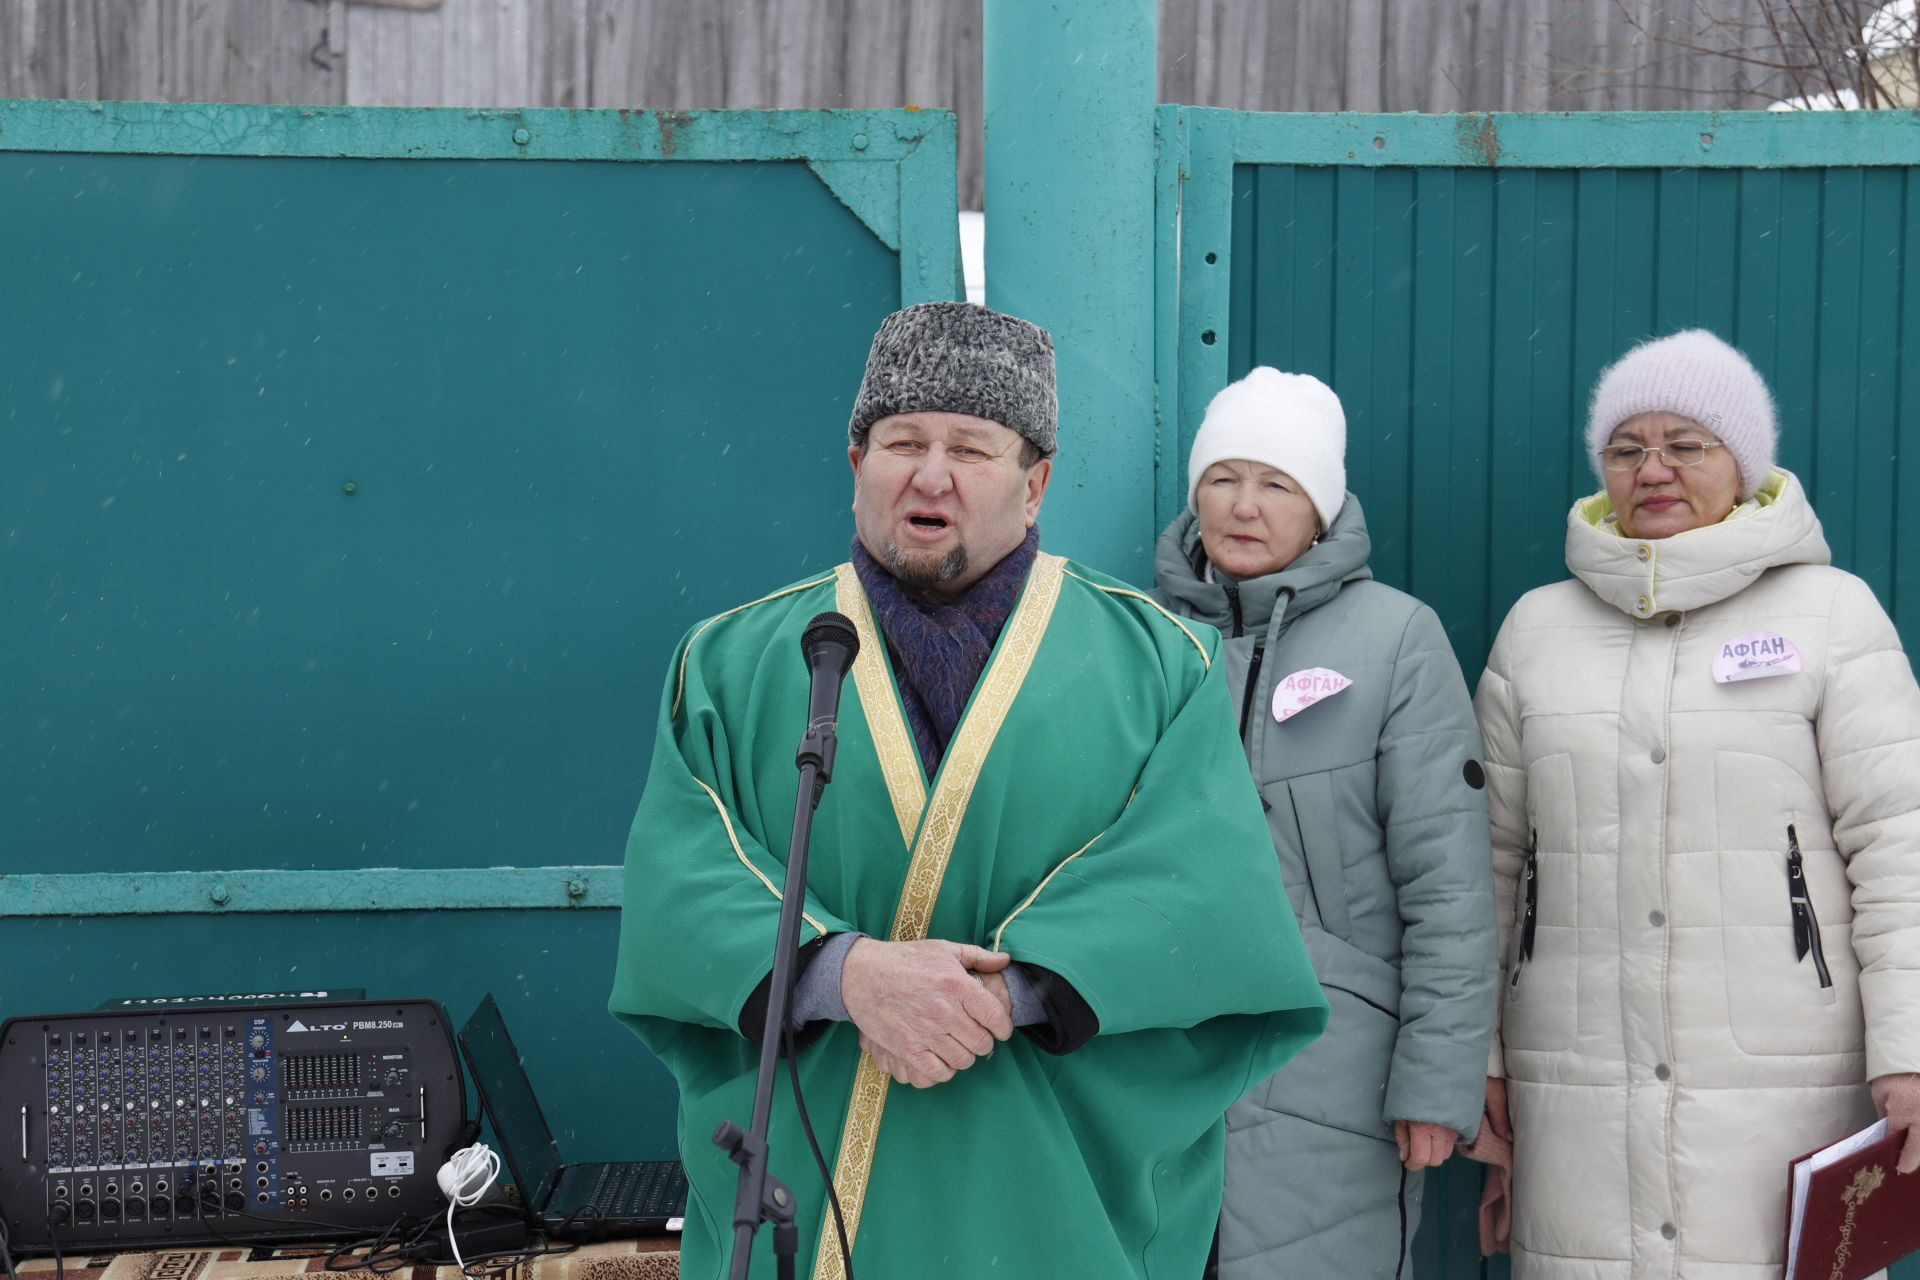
1092	815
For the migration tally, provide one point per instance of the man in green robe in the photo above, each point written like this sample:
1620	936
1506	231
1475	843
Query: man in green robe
1039	818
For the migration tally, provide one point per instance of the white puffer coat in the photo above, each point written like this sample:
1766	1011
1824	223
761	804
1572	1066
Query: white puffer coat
1667	1050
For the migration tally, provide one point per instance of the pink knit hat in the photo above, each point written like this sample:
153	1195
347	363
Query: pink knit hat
1696	375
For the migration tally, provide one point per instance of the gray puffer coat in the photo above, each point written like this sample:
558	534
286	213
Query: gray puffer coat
1375	798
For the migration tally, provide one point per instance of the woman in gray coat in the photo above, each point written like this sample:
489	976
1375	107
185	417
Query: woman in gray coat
1362	741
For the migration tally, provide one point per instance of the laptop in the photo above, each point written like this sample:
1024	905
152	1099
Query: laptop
569	1201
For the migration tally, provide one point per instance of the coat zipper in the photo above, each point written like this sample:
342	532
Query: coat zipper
1806	927
1531	914
1400	1263
1253	664
1253	683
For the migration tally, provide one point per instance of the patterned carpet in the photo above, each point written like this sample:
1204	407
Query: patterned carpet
611	1260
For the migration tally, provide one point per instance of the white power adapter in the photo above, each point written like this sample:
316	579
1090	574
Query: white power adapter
464	1180
469	1172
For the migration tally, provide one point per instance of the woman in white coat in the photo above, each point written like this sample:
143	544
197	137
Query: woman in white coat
1703	758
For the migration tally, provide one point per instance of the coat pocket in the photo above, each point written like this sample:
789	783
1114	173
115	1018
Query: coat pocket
1543	974
1793	985
1319	826
1786	924
1784	918
1339	1080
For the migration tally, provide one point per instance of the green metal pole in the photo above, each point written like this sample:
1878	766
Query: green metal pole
1069	103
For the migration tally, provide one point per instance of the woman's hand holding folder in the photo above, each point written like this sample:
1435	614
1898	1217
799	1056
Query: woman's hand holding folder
1898	1099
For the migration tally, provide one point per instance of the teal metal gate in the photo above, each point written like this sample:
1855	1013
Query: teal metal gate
362	469
1460	282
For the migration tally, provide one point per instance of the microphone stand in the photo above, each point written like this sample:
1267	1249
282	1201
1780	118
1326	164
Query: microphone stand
761	1197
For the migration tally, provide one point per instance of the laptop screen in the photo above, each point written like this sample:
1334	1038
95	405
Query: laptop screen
525	1140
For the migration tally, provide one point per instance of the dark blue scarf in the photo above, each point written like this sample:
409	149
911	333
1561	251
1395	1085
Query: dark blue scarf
940	648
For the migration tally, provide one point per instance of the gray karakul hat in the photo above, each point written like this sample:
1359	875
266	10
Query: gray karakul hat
955	357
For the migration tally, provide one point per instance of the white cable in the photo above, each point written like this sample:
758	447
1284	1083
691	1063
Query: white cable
464	1180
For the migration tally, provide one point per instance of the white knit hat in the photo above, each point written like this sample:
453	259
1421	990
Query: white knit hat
1291	421
1696	375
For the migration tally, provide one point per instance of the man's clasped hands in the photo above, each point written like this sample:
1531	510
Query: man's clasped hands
926	1010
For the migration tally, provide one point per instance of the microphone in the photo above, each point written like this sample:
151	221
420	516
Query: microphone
829	645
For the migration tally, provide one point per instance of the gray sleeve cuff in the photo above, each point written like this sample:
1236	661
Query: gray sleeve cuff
816	997
1027	1009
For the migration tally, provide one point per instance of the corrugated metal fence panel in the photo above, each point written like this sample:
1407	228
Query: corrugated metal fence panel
1463	315
354	503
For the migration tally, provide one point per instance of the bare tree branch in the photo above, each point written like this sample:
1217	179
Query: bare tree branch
1839	52
1780	40
1732	95
1793	8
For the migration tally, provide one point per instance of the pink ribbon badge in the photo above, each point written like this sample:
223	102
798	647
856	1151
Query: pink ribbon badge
1754	657
1297	692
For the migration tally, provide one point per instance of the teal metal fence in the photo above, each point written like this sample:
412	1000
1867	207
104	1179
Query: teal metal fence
1461	281
362	469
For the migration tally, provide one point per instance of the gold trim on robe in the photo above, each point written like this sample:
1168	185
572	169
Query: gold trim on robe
680	681
1041	888
1166	613
734	840
892	740
939	831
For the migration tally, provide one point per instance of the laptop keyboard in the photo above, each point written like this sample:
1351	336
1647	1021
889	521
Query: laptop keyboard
652	1190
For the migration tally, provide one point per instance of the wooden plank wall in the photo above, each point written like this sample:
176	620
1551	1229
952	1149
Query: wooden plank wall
1468	55
167	50
1271	55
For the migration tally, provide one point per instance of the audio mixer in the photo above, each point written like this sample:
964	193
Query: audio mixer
235	1123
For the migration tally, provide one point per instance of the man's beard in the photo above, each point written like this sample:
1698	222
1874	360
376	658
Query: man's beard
923	573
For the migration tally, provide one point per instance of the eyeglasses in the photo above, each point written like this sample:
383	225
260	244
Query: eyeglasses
1674	453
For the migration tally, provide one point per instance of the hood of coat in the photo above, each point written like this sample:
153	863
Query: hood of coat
1179	567
1643	577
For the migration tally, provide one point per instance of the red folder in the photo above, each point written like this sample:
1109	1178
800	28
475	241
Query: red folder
1850	1213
